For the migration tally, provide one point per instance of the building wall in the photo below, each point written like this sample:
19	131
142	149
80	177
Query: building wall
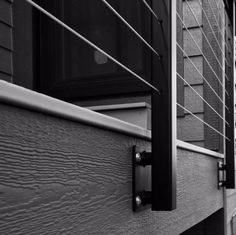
59	176
6	44
202	56
189	129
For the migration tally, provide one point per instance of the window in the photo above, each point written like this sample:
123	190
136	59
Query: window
69	69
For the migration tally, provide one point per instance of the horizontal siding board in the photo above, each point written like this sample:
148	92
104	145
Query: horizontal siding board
190	129
5	36
59	176
193	102
6	12
6	61
190	47
191	74
189	19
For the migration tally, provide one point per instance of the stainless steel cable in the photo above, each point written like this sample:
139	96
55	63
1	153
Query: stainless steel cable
217	22
120	64
218	8
213	32
130	27
90	43
205	123
213	13
152	12
202	98
202	76
190	8
186	28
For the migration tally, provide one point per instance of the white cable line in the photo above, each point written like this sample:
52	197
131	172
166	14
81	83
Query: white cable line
212	31
200	4
89	43
130	27
217	6
202	98
200	51
203	121
150	9
202	75
214	15
205	38
217	22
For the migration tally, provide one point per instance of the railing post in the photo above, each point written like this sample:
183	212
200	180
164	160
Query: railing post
230	87
164	108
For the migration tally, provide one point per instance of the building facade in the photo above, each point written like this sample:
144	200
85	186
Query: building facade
67	169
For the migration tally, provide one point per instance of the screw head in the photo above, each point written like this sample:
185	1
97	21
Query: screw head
138	157
138	200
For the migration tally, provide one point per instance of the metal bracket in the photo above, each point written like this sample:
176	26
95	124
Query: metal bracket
141	178
221	174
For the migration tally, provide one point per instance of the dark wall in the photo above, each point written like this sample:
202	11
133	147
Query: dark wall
23	44
6	45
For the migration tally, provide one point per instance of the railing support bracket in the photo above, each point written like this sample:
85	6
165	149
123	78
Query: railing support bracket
141	161
221	174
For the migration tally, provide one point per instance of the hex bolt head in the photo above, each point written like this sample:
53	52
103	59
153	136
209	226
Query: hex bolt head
138	200
138	157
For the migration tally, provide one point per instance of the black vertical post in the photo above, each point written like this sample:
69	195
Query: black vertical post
229	101
164	107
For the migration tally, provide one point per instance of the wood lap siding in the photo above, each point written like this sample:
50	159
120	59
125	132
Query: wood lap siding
189	129
59	176
6	42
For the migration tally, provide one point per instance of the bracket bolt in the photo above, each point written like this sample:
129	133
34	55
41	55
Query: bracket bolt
138	157
138	200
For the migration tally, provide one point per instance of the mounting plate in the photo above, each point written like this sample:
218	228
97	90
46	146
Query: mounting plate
141	181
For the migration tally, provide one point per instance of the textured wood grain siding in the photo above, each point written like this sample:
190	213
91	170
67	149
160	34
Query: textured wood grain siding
6	44
58	176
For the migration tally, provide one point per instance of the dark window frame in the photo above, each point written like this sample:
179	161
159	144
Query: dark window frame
99	86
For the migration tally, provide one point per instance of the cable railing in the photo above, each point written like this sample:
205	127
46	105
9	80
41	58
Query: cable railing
203	33
115	12
213	32
205	123
152	12
220	64
218	24
162	88
204	79
204	100
131	28
213	71
78	35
